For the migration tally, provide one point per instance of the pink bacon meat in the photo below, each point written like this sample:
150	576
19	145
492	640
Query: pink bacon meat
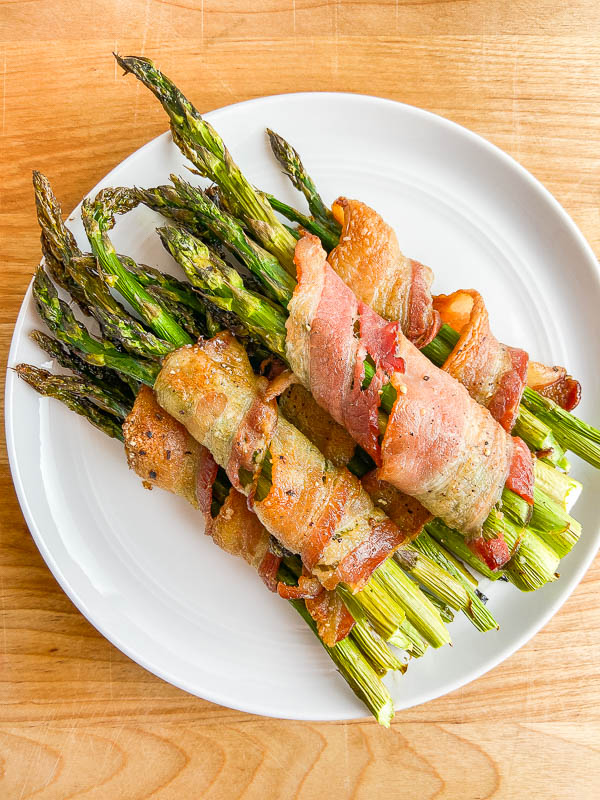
439	445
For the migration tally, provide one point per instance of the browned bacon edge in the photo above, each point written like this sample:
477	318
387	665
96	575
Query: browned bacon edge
493	373
161	451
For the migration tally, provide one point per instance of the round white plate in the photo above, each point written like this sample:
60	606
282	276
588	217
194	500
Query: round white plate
136	563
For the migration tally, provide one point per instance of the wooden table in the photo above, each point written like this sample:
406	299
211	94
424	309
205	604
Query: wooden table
78	718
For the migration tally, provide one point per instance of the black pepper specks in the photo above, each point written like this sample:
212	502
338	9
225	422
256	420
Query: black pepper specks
152	474
149	434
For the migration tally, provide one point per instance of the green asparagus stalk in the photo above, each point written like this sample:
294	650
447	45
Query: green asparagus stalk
225	287
377	607
375	649
471	603
46	384
67	329
292	165
417	646
205	149
572	433
98	219
120	389
444	610
557	485
356	671
56	385
77	274
309	224
418	609
552	524
278	284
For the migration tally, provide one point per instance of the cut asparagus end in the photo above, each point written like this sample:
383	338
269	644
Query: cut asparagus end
375	649
417	646
474	608
374	603
557	485
418	609
356	671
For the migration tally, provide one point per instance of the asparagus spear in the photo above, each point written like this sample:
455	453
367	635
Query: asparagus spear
56	385
78	401
278	284
98	219
328	238
120	389
67	329
205	149
206	271
292	165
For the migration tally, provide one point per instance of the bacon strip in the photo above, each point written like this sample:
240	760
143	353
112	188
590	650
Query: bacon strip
439	446
368	258
554	383
312	507
161	451
492	373
521	476
343	332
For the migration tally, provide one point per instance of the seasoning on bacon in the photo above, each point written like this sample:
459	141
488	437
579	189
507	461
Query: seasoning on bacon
311	506
439	445
368	258
171	459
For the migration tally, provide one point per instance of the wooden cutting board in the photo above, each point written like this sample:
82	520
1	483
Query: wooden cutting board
78	718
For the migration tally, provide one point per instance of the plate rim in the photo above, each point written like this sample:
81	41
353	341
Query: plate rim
568	584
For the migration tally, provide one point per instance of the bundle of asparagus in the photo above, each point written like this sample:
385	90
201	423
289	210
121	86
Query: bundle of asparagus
200	143
110	370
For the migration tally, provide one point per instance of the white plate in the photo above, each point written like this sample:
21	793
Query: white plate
137	565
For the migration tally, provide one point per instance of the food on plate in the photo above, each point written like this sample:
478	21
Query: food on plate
357	440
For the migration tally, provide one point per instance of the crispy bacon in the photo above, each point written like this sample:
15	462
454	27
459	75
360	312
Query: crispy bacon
493	552
493	373
368	258
252	437
301	409
357	567
520	475
554	383
162	452
334	621
406	512
308	586
312	507
439	446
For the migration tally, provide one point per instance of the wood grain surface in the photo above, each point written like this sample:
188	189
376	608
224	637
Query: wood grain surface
78	718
